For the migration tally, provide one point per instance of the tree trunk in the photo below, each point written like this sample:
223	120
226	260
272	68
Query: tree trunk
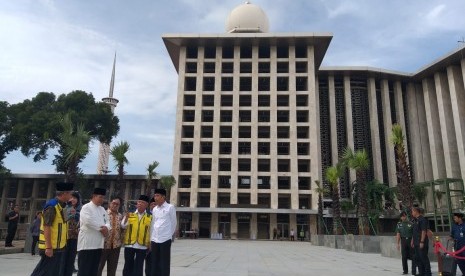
363	223
336	212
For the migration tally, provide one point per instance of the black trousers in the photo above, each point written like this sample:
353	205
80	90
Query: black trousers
88	261
422	260
35	239
48	266
109	257
68	258
407	253
460	262
161	258
11	232
148	263
134	261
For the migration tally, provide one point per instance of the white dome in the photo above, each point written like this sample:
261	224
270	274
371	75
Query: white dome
247	18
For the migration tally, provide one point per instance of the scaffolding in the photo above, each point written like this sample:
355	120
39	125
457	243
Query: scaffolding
443	197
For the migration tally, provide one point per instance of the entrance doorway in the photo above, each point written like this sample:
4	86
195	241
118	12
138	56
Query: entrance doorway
243	226
263	227
224	225
283	226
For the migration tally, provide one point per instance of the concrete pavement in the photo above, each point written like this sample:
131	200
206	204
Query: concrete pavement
252	258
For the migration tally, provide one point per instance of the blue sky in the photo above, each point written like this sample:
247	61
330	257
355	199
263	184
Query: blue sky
61	46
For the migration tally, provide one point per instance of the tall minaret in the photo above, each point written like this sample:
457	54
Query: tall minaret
104	150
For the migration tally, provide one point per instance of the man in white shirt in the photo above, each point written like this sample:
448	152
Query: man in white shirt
163	228
137	238
94	227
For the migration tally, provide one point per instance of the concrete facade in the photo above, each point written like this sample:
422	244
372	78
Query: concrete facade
258	120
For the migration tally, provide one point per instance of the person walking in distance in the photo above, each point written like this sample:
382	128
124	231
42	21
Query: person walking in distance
13	219
35	230
420	241
53	232
163	228
458	235
404	232
113	240
94	227
137	238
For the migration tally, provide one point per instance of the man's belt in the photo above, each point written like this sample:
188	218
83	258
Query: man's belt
405	238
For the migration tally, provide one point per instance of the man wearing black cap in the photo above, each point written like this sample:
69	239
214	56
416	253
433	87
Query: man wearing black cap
420	241
458	235
94	227
53	232
137	238
163	227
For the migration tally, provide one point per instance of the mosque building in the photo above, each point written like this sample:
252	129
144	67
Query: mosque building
258	120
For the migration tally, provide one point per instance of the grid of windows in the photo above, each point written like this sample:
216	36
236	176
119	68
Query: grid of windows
256	120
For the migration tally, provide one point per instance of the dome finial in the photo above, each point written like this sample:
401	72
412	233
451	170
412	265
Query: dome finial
247	18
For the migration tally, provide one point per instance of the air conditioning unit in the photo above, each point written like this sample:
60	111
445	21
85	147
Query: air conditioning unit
245	181
259	181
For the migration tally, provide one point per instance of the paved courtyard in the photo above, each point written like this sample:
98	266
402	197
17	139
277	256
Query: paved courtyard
219	257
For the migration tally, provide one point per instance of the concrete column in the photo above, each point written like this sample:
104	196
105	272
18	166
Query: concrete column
446	120
273	224
127	191
390	155
195	220
421	156
293	156
35	189
19	193
214	223
313	224
253	226
456	77
4	205
434	135
179	115
314	120
374	126
400	114
293	225
51	189
273	132
349	121
112	187
332	119
233	226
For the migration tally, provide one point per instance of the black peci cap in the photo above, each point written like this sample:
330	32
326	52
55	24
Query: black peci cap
64	187
160	192
144	198
100	191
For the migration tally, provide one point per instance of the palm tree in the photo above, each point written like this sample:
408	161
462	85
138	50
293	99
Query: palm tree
166	182
359	162
75	146
332	176
403	168
346	207
151	175
118	152
321	191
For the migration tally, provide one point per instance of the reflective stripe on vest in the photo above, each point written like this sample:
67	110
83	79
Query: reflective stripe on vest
138	230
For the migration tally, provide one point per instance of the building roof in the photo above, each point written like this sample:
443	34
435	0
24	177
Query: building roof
320	41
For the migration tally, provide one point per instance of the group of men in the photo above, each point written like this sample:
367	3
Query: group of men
146	235
413	241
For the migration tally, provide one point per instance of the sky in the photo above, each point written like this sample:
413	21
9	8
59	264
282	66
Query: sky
62	46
